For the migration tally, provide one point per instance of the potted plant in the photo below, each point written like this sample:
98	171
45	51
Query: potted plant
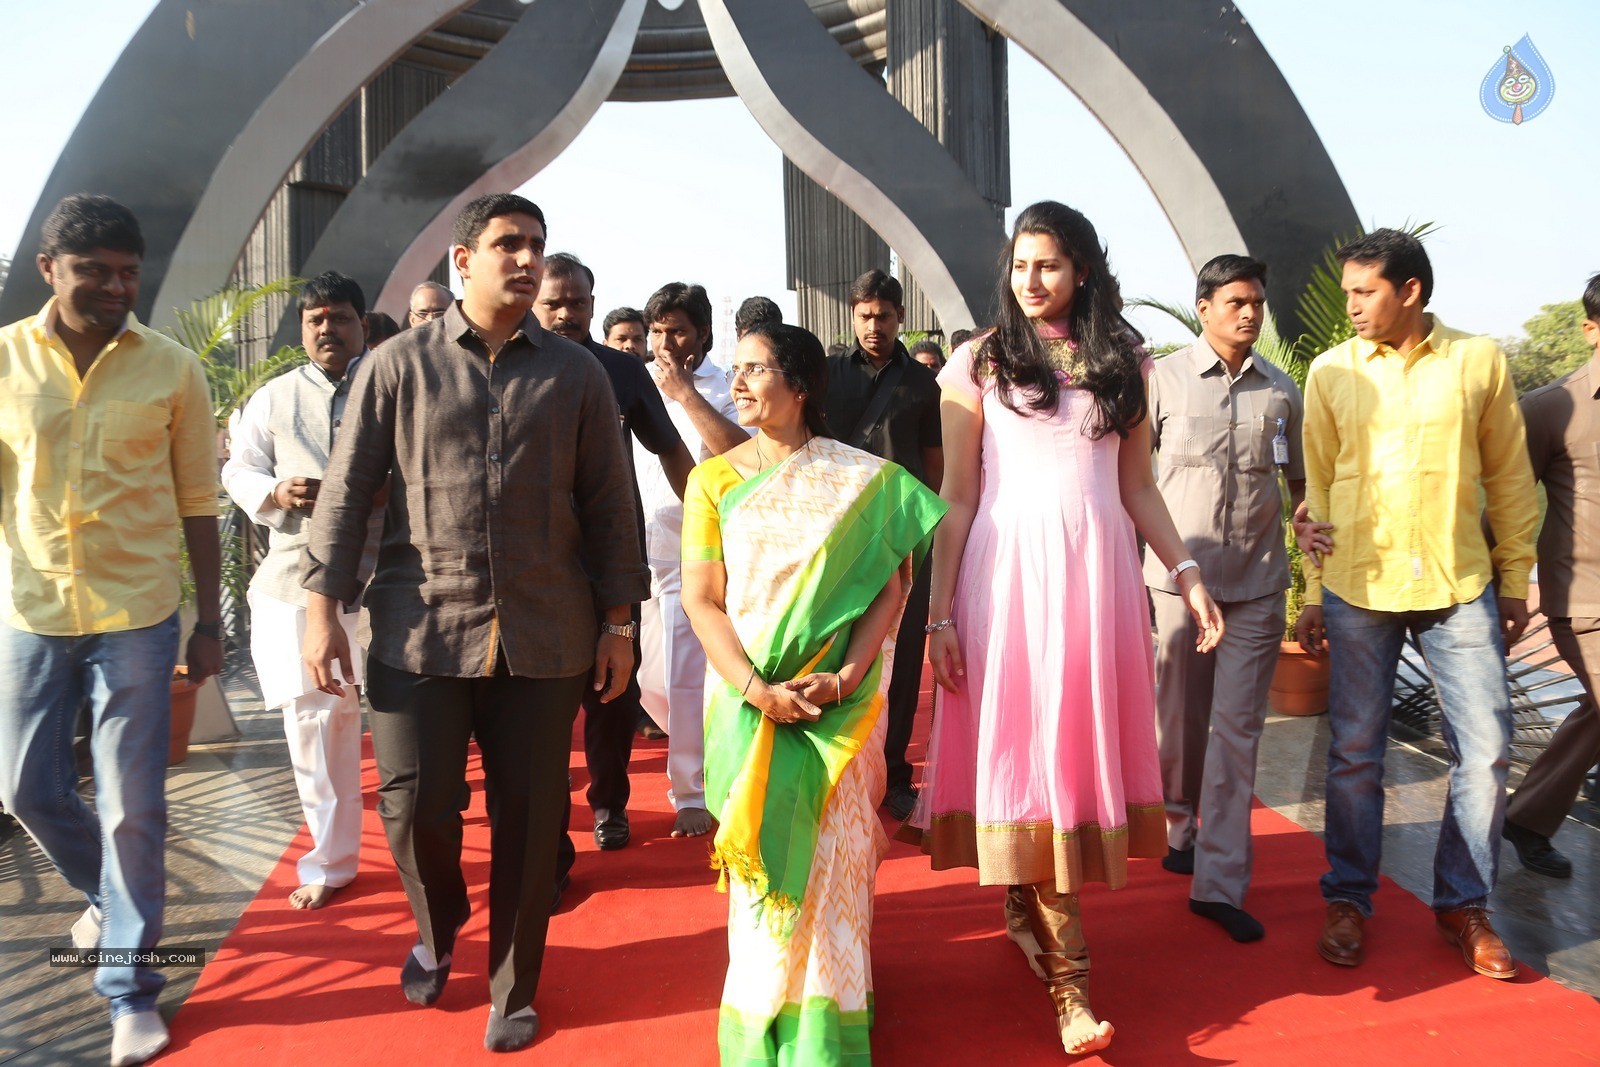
210	329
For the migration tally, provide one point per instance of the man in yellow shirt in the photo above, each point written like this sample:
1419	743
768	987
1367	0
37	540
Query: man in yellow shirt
107	448
1406	424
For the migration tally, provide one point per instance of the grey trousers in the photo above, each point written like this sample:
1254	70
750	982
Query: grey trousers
1551	785
1209	713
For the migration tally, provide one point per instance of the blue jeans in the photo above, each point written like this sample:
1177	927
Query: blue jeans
116	858
1466	659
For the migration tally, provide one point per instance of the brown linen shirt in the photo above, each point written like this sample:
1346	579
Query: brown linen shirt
506	474
1214	436
1563	420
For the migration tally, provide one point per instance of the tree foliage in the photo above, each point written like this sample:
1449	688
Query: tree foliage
1553	346
210	327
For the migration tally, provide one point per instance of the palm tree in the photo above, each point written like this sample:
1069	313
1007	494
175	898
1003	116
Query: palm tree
210	328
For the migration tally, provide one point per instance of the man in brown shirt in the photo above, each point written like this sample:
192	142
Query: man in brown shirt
507	471
1563	420
1227	426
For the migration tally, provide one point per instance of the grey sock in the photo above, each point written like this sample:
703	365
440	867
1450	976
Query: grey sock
508	1033
420	984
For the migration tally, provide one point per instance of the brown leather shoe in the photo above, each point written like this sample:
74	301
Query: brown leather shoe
1342	935
1481	947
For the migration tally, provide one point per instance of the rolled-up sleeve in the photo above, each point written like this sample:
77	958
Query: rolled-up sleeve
363	453
194	445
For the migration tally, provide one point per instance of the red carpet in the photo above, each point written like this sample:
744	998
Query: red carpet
634	969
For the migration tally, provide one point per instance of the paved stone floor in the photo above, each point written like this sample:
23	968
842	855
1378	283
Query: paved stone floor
233	812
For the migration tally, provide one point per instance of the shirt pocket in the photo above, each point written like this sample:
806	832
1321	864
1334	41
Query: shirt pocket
132	436
1193	440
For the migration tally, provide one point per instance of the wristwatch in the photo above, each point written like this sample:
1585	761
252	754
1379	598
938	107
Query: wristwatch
212	630
1186	565
627	629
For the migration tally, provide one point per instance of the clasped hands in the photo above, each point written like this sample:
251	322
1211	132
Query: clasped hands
800	699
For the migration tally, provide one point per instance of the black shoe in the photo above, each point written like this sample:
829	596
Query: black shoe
611	832
1178	860
900	800
421	986
1536	852
561	887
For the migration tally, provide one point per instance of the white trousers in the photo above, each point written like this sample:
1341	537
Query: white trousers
672	679
324	736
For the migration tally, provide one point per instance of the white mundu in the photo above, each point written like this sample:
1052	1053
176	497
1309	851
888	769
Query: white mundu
286	431
672	665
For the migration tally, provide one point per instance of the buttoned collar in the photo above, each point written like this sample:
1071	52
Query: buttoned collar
316	374
860	356
1204	359
1434	341
44	325
458	329
1592	369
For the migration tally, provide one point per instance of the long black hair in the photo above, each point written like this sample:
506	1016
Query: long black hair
1108	347
804	366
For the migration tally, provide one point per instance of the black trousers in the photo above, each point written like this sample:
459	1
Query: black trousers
420	728
905	684
607	748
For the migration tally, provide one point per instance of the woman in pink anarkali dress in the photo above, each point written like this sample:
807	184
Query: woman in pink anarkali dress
1042	769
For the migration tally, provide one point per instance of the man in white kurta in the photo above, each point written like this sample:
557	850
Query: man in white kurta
280	447
672	665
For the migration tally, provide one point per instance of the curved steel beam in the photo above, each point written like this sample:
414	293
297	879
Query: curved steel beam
286	124
1202	110
499	124
144	140
860	144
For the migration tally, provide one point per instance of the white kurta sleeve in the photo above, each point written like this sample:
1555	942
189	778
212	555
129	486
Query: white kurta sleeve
250	475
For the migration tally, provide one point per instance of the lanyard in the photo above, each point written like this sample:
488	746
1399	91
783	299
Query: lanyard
1280	460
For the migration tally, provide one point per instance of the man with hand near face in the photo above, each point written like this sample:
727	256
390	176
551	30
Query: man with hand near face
672	669
279	450
566	307
1226	424
506	475
1408	426
107	450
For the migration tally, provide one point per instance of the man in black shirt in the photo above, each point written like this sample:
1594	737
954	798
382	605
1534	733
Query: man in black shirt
565	306
883	401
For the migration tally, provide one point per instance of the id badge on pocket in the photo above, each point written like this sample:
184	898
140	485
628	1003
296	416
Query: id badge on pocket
1280	447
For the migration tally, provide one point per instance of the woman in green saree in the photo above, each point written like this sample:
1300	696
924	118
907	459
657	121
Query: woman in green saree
797	552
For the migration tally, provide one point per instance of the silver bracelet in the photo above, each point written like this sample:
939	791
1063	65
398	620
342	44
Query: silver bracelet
935	627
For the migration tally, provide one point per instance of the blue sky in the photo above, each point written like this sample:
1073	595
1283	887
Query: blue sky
1390	86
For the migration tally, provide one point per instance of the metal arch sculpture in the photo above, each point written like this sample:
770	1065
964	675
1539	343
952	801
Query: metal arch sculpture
140	139
862	146
280	131
1158	80
1175	84
395	224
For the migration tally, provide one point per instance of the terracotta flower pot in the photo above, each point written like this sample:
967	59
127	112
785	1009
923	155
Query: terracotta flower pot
1300	682
184	693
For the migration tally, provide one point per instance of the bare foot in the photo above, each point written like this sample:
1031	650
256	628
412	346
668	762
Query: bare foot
1021	934
312	897
693	822
1081	1034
